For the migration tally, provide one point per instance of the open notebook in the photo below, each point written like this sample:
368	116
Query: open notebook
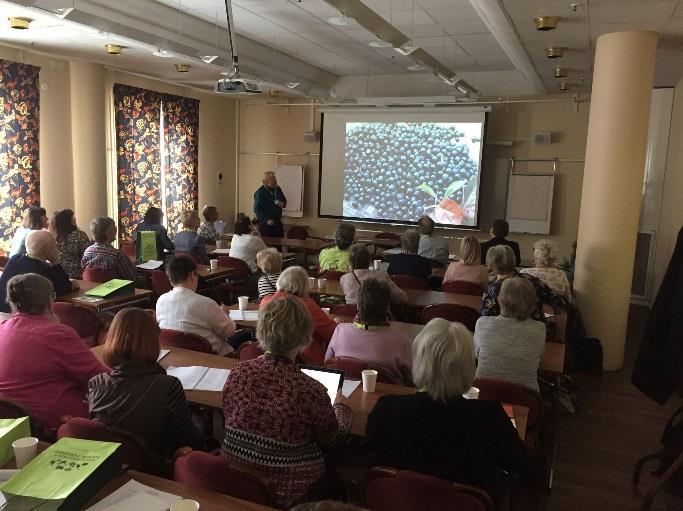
199	377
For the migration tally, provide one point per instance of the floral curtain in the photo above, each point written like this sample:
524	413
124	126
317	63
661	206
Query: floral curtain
19	157
137	113
181	138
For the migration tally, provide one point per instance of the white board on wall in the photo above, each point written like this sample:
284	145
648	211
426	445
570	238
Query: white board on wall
291	179
530	203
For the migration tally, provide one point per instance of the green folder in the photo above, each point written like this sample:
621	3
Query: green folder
145	246
111	287
11	430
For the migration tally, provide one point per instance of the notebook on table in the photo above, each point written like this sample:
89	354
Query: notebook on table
110	288
332	379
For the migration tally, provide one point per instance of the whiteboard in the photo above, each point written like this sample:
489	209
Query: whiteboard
530	203
291	179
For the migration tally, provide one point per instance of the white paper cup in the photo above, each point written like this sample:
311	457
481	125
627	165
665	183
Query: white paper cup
321	283
185	505
326	310
214	264
243	302
473	393
377	263
25	449
369	380
311	281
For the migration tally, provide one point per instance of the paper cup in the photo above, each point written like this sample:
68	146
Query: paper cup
25	449
473	393
311	281
185	505
369	380
214	264
321	283
326	310
221	243
377	263
243	302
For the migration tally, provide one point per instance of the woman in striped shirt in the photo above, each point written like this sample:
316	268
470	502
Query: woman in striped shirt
269	261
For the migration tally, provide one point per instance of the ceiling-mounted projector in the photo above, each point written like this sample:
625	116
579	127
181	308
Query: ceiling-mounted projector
236	86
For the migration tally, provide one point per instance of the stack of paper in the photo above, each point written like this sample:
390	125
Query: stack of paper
135	495
152	264
199	377
244	315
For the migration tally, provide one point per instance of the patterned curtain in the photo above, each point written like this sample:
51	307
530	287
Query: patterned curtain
181	137
19	158
137	112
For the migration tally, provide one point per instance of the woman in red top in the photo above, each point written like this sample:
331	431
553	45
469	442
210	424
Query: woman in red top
294	282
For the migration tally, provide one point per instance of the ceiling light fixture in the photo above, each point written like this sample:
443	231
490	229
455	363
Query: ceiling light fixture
416	67
19	23
162	52
545	23
341	21
406	50
381	43
114	49
466	89
182	68
564	86
209	58
293	85
555	52
560	72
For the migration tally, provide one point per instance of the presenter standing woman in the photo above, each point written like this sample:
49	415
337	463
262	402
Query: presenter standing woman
269	200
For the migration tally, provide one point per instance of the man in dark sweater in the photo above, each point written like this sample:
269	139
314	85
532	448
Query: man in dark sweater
269	201
41	258
408	262
499	230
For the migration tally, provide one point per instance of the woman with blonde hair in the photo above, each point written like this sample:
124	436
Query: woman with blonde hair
138	395
437	431
188	240
546	270
468	268
269	261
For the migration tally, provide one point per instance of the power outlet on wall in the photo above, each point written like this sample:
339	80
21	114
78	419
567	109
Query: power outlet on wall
220	178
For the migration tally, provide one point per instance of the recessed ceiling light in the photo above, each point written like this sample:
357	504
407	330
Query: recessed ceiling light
545	23
555	52
341	21
560	72
162	52
209	58
381	43
182	68
564	86
416	67
114	49
19	23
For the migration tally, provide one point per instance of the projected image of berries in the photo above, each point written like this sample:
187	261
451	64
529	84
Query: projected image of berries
399	171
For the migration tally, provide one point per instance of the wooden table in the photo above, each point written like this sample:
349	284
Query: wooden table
205	272
137	296
307	246
360	402
208	500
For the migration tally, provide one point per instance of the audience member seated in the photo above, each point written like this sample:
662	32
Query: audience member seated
408	262
184	310
152	222
468	269
372	338
499	230
438	432
294	282
41	258
360	259
207	230
188	240
35	219
277	419
501	262
269	261
138	395
432	247
509	346
102	255
337	258
245	244
71	242
44	365
546	270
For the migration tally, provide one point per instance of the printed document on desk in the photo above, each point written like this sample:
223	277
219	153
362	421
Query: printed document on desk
199	377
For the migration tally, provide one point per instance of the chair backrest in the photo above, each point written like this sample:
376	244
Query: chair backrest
97	275
178	339
332	275
10	409
492	389
452	312
84	321
249	350
462	287
240	269
387	236
214	473
353	367
160	283
410	282
297	232
389	489
134	450
128	248
345	309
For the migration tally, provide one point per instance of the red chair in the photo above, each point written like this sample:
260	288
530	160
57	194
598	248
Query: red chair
134	450
128	248
86	323
410	282
249	350
297	232
353	367
96	275
345	309
214	473
236	284
178	339
389	489
452	312
462	287
332	275
160	283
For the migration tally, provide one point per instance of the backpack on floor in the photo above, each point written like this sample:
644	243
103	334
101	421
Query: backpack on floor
588	355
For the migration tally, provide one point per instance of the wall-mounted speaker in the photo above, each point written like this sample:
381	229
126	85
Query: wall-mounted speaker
312	136
543	137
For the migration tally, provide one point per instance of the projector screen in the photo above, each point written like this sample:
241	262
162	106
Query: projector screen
391	165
